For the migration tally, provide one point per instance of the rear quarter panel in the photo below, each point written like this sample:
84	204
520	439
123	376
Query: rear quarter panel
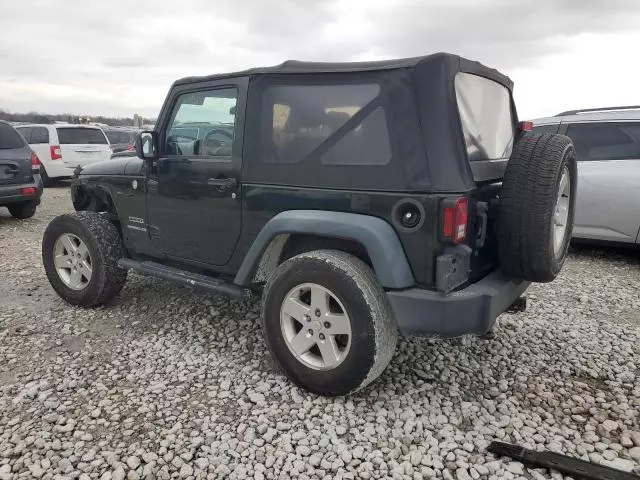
263	202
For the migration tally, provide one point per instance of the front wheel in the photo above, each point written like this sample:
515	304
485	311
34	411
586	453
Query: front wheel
327	322
80	252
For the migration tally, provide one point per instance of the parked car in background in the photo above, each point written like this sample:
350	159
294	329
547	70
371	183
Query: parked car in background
124	153
62	147
607	143
20	182
121	139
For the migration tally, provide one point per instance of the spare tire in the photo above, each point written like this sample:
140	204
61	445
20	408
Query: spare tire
537	207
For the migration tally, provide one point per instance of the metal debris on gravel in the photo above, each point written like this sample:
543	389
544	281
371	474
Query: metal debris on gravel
165	383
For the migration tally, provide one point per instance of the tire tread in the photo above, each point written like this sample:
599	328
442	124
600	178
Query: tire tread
529	191
110	248
384	325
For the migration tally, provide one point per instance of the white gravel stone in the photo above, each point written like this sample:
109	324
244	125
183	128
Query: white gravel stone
462	474
186	471
118	474
620	464
609	426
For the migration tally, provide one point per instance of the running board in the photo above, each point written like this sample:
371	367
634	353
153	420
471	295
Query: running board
195	280
574	467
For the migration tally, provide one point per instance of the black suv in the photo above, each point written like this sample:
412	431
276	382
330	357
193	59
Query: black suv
361	199
20	182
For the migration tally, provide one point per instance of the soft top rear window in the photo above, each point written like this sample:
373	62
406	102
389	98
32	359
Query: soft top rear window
485	114
9	138
81	136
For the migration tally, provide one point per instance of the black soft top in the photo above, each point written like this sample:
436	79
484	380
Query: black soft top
450	62
418	119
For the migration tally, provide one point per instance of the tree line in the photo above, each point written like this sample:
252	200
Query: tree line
36	117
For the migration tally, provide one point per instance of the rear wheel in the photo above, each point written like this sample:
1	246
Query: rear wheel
537	207
23	209
80	252
327	322
46	179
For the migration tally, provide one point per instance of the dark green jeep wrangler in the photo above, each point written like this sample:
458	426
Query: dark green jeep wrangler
361	199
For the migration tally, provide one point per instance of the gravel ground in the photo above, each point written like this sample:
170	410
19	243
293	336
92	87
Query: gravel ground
165	383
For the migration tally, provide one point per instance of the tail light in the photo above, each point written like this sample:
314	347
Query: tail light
455	215
56	153
35	161
28	191
131	148
526	126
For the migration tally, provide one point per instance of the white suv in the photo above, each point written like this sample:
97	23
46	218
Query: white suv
62	147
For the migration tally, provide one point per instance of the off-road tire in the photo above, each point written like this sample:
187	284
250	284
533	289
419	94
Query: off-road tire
373	326
529	192
105	246
23	210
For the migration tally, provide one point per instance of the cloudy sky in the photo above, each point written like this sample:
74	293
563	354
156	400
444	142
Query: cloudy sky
119	57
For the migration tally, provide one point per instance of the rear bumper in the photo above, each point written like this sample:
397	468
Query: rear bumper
13	194
474	309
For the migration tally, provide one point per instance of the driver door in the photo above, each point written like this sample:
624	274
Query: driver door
194	205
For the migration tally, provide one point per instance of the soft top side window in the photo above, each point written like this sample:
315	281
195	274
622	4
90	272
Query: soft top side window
202	124
297	119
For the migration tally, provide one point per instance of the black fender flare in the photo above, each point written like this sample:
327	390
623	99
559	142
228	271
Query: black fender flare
377	237
83	190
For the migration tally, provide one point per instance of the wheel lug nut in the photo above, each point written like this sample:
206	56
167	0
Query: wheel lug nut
318	313
311	332
307	318
321	336
327	325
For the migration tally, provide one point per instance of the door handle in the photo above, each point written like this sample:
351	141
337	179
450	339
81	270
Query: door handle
223	183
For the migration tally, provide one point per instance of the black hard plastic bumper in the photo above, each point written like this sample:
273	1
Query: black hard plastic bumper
13	193
474	309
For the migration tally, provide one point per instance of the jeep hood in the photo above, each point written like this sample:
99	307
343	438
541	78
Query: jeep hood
115	166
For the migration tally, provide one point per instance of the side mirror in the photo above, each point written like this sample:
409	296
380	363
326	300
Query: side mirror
147	145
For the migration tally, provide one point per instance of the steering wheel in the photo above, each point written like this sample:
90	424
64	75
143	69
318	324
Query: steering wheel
211	146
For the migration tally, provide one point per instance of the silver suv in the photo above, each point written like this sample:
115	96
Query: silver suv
607	143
